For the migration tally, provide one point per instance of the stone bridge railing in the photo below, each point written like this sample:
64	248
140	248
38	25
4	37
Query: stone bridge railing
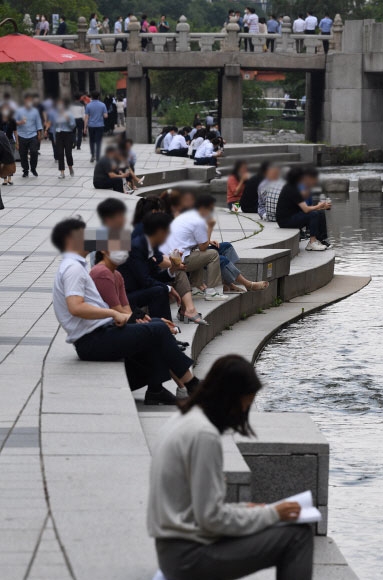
229	40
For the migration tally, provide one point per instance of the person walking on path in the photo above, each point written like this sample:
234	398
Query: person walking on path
78	111
94	123
198	534
29	129
64	125
7	160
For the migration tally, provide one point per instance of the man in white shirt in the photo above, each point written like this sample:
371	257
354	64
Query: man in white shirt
299	26
118	30
205	154
168	139
99	333
311	23
126	22
190	234
178	146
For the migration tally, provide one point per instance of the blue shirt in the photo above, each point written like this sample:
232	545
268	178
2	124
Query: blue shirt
325	24
95	111
272	26
32	124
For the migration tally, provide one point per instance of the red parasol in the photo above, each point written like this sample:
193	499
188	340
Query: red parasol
18	47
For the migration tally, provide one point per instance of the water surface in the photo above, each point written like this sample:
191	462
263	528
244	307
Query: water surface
330	365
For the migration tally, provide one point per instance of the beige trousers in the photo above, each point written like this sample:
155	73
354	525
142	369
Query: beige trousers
195	264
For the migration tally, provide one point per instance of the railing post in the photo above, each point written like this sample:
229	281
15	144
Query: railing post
288	43
134	41
183	40
337	32
232	31
82	28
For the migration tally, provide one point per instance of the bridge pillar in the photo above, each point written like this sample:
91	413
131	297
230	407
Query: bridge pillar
314	106
138	120
352	112
231	103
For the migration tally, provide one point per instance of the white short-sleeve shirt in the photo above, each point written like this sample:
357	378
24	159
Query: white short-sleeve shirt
205	150
178	142
72	279
187	232
167	141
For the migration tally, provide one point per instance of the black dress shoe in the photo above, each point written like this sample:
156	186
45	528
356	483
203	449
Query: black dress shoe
184	344
162	397
25	174
34	172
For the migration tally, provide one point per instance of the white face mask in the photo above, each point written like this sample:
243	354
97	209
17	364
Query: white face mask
118	257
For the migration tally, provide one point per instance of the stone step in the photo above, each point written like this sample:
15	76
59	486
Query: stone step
309	271
250	149
226	163
329	564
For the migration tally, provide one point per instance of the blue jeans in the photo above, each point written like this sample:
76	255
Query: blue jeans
95	138
227	258
315	221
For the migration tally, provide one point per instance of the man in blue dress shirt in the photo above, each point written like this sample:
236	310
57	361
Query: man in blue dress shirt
325	26
29	130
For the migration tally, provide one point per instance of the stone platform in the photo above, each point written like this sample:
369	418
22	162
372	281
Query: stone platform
74	451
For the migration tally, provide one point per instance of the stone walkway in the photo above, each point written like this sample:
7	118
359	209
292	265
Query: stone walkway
73	457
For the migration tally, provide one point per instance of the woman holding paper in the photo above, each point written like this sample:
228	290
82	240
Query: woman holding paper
198	535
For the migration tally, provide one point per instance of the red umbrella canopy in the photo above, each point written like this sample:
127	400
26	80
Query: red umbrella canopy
21	48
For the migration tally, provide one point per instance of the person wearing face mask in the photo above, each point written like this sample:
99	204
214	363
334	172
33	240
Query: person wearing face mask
62	28
101	333
107	174
29	129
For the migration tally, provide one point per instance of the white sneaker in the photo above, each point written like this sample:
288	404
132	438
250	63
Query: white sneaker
61	176
141	181
181	394
315	247
218	173
214	294
197	292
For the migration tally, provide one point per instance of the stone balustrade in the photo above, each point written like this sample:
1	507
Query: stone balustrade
228	40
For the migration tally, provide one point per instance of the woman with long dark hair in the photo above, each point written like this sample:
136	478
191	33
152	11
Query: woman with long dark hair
198	535
236	182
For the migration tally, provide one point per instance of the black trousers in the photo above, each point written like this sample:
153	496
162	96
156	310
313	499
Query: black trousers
315	221
95	139
30	146
326	43
206	161
178	152
155	298
123	44
114	183
149	351
270	42
78	132
64	143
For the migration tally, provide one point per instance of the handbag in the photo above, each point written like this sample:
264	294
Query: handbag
7	169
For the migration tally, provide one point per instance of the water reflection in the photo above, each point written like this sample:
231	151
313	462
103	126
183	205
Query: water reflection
337	377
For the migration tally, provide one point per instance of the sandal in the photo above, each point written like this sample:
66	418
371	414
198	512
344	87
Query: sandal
233	289
262	286
197	319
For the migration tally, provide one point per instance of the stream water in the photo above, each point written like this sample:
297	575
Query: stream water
330	366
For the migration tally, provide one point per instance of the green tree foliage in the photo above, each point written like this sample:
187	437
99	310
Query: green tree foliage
190	85
72	9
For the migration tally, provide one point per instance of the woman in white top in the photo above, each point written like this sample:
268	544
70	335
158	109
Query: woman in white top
198	535
94	28
253	23
197	141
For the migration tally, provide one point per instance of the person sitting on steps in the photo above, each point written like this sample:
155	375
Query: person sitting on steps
99	333
293	211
